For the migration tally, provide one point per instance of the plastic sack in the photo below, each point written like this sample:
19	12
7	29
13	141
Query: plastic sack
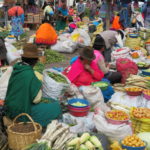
64	46
10	40
51	88
4	80
12	53
92	94
64	37
81	124
81	37
113	132
129	101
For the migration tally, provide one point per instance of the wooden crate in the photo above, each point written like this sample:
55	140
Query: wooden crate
30	17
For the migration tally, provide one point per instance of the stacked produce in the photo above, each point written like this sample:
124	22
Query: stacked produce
143	64
39	67
140	118
85	142
57	77
53	56
56	135
117	115
133	141
137	81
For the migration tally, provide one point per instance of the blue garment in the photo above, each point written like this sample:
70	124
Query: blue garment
73	59
108	93
16	23
63	11
124	19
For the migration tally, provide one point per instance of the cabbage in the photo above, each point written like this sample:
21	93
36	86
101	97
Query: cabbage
145	136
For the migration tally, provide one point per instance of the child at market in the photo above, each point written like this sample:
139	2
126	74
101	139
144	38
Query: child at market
71	11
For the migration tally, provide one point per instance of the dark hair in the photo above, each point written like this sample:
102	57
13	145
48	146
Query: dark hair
70	19
45	21
30	61
99	42
121	33
18	4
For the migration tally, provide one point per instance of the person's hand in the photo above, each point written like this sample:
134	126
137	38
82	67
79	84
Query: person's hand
88	68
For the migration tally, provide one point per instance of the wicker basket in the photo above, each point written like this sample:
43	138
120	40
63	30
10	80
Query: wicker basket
17	140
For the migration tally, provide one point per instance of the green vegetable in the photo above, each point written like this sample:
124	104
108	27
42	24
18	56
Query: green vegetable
89	145
39	67
96	142
78	104
145	136
38	146
100	84
84	137
74	142
57	77
53	56
83	147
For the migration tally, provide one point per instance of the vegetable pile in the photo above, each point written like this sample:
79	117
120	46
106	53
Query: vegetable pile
57	77
38	146
39	67
56	135
78	104
85	142
53	56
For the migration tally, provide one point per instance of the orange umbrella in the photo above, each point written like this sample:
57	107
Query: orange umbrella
15	10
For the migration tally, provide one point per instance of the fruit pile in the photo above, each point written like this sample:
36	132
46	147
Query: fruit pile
133	141
117	115
146	92
141	113
134	89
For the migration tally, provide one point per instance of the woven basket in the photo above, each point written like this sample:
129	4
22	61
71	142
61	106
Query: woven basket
17	140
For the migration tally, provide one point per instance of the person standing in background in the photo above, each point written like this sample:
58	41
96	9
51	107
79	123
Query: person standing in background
81	9
146	13
93	9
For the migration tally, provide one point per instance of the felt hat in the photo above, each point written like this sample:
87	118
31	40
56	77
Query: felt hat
30	51
87	53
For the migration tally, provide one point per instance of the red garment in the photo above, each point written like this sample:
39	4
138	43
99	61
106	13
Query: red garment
15	10
71	11
81	77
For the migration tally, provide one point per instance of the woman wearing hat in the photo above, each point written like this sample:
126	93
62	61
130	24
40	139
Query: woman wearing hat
24	91
84	71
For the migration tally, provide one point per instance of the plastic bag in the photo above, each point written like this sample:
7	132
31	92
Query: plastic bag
64	37
113	132
10	40
129	101
64	46
81	37
81	124
92	94
51	88
12	53
4	80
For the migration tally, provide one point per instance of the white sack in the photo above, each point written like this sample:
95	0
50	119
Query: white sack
51	88
113	132
64	46
4	80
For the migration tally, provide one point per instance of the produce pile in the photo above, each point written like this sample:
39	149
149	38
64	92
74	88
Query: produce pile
39	67
78	104
53	56
133	141
85	142
56	135
117	115
57	77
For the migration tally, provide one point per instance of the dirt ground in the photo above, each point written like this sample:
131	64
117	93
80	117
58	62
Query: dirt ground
67	56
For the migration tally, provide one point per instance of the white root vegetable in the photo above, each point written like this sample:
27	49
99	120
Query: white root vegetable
57	133
50	128
62	144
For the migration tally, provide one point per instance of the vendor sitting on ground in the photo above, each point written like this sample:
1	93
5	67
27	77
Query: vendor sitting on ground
24	91
110	38
113	77
84	70
46	34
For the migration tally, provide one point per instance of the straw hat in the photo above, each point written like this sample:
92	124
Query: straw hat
87	53
30	51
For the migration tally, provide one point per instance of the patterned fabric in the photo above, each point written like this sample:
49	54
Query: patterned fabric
16	24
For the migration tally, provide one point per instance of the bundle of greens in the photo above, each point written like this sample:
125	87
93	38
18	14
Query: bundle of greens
53	56
39	67
57	77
